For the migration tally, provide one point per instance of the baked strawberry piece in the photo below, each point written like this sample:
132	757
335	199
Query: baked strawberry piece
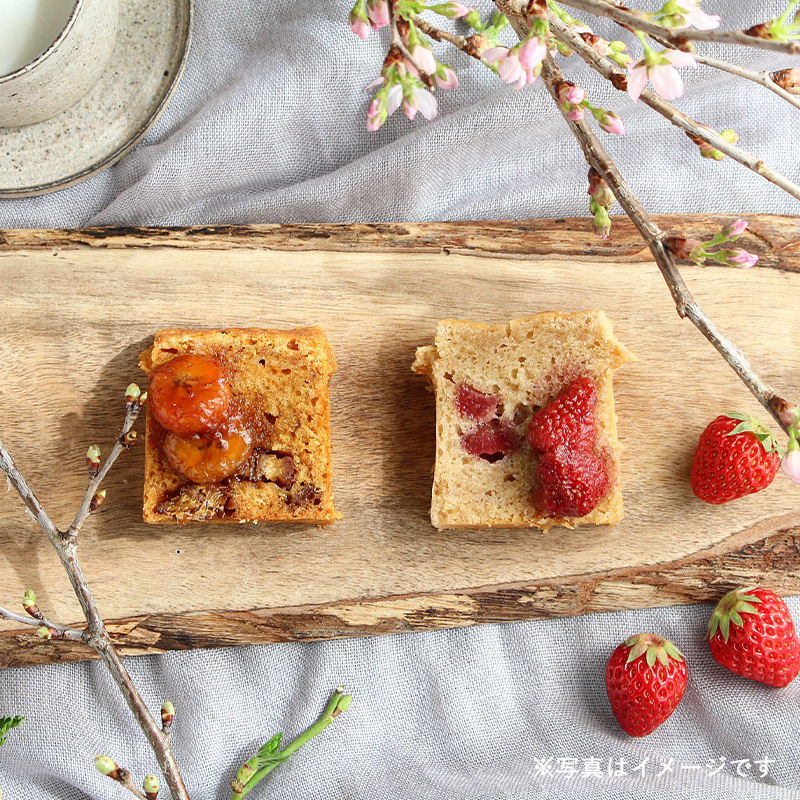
525	424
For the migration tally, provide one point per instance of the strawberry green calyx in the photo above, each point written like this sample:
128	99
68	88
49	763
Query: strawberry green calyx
730	609
653	648
755	426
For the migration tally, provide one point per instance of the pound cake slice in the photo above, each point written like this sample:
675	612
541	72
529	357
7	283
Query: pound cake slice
238	426
513	445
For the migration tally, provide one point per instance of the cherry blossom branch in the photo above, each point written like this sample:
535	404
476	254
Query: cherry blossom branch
619	80
685	304
679	38
96	634
763	78
467	44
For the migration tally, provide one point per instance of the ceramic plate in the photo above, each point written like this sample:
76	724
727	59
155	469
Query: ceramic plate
115	115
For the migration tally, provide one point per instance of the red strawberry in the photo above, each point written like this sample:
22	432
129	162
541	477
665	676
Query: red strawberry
567	420
474	404
644	693
761	643
573	481
736	455
491	440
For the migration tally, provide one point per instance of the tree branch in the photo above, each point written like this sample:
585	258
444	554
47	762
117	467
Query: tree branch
619	80
96	634
685	304
58	631
461	42
679	37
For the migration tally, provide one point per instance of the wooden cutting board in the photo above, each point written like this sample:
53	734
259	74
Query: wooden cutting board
79	306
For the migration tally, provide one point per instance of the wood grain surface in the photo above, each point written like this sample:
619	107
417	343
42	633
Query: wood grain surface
80	305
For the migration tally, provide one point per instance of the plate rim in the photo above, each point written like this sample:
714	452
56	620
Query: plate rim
155	112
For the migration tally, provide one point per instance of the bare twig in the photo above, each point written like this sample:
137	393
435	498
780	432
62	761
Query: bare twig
685	304
679	37
124	441
619	80
96	635
461	42
57	631
763	78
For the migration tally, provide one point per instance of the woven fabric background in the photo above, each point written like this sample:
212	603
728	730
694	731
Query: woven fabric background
268	126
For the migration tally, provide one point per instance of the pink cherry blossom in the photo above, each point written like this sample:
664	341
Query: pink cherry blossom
569	93
446	78
509	65
532	53
743	259
697	18
378	13
790	466
664	77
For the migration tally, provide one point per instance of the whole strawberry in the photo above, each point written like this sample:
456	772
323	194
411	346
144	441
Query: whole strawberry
736	455
573	481
751	633
645	681
567	420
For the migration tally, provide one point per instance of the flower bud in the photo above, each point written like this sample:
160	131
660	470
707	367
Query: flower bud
735	229
358	20
167	714
681	248
44	632
29	599
128	439
97	500
611	123
132	393
106	766
93	460
790	465
456	10
342	705
151	785
741	258
788	79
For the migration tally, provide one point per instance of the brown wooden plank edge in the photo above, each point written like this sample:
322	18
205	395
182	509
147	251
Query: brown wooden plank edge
694	579
775	238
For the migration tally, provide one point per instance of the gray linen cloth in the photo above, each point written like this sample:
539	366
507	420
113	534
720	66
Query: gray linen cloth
268	126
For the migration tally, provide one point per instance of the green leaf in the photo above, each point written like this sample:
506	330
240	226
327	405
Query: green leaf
725	626
267	751
651	656
735	618
746	608
6	724
673	651
273	758
637	650
662	656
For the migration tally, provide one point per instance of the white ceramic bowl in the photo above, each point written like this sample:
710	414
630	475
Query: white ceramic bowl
66	71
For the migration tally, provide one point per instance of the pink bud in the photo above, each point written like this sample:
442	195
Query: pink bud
790	466
410	107
359	26
378	13
612	124
576	114
424	59
743	259
447	79
456	10
531	53
735	228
